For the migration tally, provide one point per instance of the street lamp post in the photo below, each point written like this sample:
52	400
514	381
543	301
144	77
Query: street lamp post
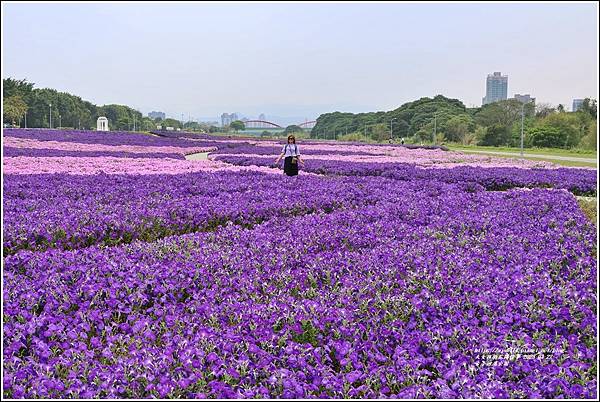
434	127
522	120
50	115
391	130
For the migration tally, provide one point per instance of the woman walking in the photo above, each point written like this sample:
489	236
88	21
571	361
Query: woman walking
291	153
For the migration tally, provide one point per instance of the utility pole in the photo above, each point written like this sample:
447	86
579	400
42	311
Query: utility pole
26	119
391	130
522	120
51	115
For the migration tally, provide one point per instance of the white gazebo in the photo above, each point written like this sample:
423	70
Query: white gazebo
102	124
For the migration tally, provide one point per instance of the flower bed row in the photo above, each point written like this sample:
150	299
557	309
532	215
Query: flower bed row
113	138
578	181
395	300
74	211
43	153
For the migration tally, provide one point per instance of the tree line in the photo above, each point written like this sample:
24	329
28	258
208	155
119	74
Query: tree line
445	120
40	107
438	119
26	106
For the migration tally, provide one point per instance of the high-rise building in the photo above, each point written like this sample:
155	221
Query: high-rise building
227	118
577	104
524	98
156	115
262	117
496	88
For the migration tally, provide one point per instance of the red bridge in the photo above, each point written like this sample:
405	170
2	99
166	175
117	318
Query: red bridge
307	124
271	125
260	124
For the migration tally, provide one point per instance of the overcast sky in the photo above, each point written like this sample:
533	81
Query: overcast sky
299	59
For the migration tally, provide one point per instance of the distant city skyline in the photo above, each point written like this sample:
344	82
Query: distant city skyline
496	88
299	59
156	115
219	120
577	104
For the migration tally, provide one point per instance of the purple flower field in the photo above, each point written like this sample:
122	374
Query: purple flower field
80	211
366	280
578	181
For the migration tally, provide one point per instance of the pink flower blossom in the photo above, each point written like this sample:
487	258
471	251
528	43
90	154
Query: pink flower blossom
75	146
113	165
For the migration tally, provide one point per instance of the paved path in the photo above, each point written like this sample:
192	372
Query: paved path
555	157
202	156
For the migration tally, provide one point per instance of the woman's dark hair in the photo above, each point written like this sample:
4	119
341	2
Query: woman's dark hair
291	136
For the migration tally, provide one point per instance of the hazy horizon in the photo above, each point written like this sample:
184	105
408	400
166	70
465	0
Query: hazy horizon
299	60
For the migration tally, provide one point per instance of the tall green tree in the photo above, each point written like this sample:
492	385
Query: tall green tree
496	135
292	129
380	132
504	113
168	122
590	106
400	128
548	137
515	137
543	109
14	109
237	125
590	139
457	127
12	87
570	127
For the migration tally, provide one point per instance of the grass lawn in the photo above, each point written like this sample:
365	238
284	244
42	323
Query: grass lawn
555	161
539	151
589	207
560	162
